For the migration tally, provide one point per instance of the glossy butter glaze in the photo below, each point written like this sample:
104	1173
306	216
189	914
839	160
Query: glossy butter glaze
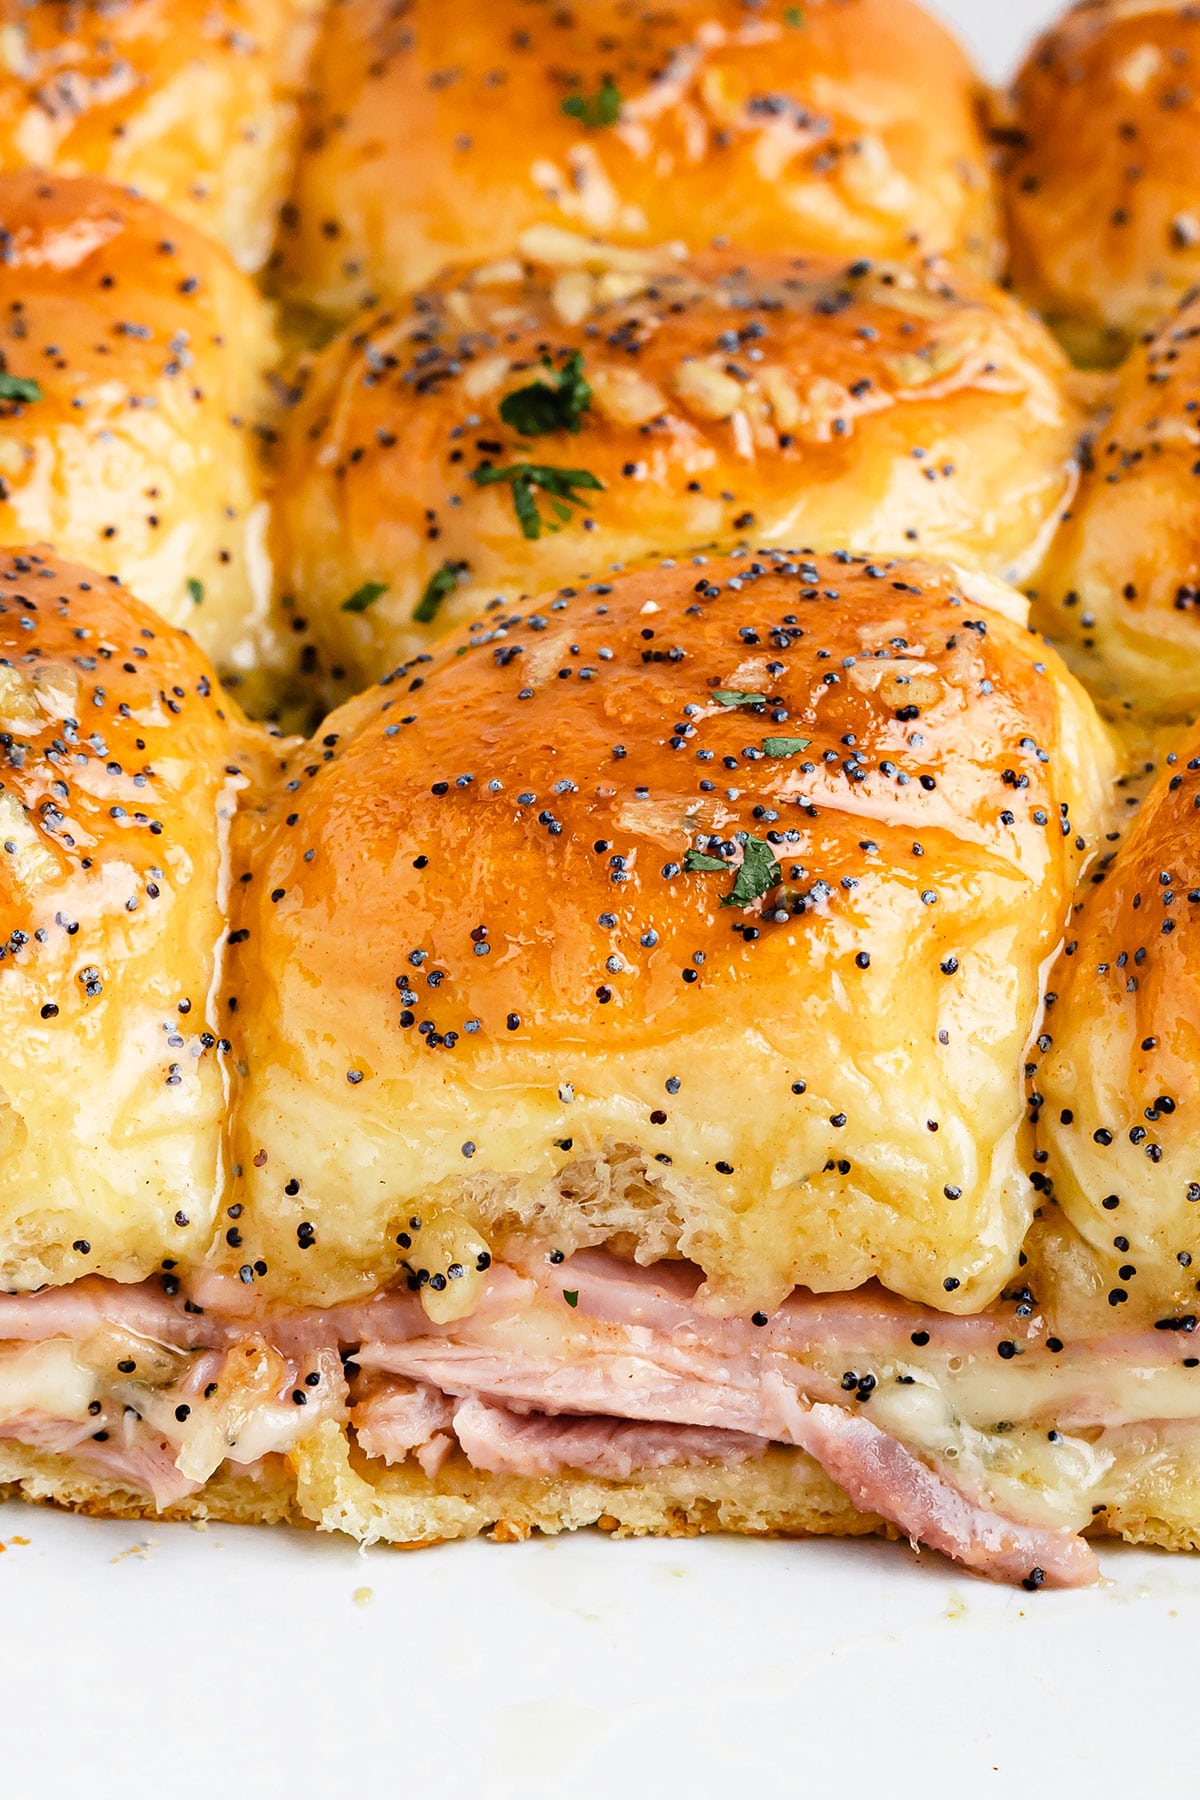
471	950
119	768
1103	183
440	131
192	102
136	451
772	400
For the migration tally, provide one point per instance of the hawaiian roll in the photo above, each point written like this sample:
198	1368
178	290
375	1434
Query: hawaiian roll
132	360
192	102
700	912
534	424
441	131
1102	180
119	771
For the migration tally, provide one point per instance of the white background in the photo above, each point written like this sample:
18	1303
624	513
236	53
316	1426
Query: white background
153	1660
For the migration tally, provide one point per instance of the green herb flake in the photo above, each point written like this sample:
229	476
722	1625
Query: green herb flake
794	16
758	874
439	587
784	746
15	387
571	1296
364	596
735	697
195	589
695	862
595	110
559	485
557	404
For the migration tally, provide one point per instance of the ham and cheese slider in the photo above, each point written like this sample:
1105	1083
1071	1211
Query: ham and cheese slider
1102	180
119	769
441	131
587	1083
1120	589
192	102
1118	1080
536	423
132	359
649	952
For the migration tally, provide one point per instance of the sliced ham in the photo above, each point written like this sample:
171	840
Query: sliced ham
764	1396
879	1475
395	1421
432	1455
668	1298
131	1453
630	1372
505	1443
660	1383
78	1309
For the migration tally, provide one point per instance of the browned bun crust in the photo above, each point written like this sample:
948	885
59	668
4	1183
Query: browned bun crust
117	779
192	102
440	133
1102	179
775	400
1121	586
471	954
137	453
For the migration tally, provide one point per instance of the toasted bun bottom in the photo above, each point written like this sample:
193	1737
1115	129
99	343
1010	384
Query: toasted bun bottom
327	1486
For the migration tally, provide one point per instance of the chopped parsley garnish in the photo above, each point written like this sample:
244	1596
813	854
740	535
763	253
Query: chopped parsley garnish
15	387
439	587
735	697
794	16
558	485
598	109
696	862
758	874
571	1296
364	596
195	589
785	746
554	405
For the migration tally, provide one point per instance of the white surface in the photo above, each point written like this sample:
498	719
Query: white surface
232	1663
238	1662
997	31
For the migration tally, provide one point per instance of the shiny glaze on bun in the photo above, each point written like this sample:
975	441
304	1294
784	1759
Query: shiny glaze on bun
438	132
192	102
119	769
1103	178
1121	587
770	400
134	354
1120	1082
475	946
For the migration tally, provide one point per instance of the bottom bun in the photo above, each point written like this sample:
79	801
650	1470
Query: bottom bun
328	1486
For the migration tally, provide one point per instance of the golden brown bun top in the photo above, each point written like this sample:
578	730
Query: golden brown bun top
117	778
775	399
190	101
1121	1084
1121	587
476	944
441	131
135	449
1103	182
